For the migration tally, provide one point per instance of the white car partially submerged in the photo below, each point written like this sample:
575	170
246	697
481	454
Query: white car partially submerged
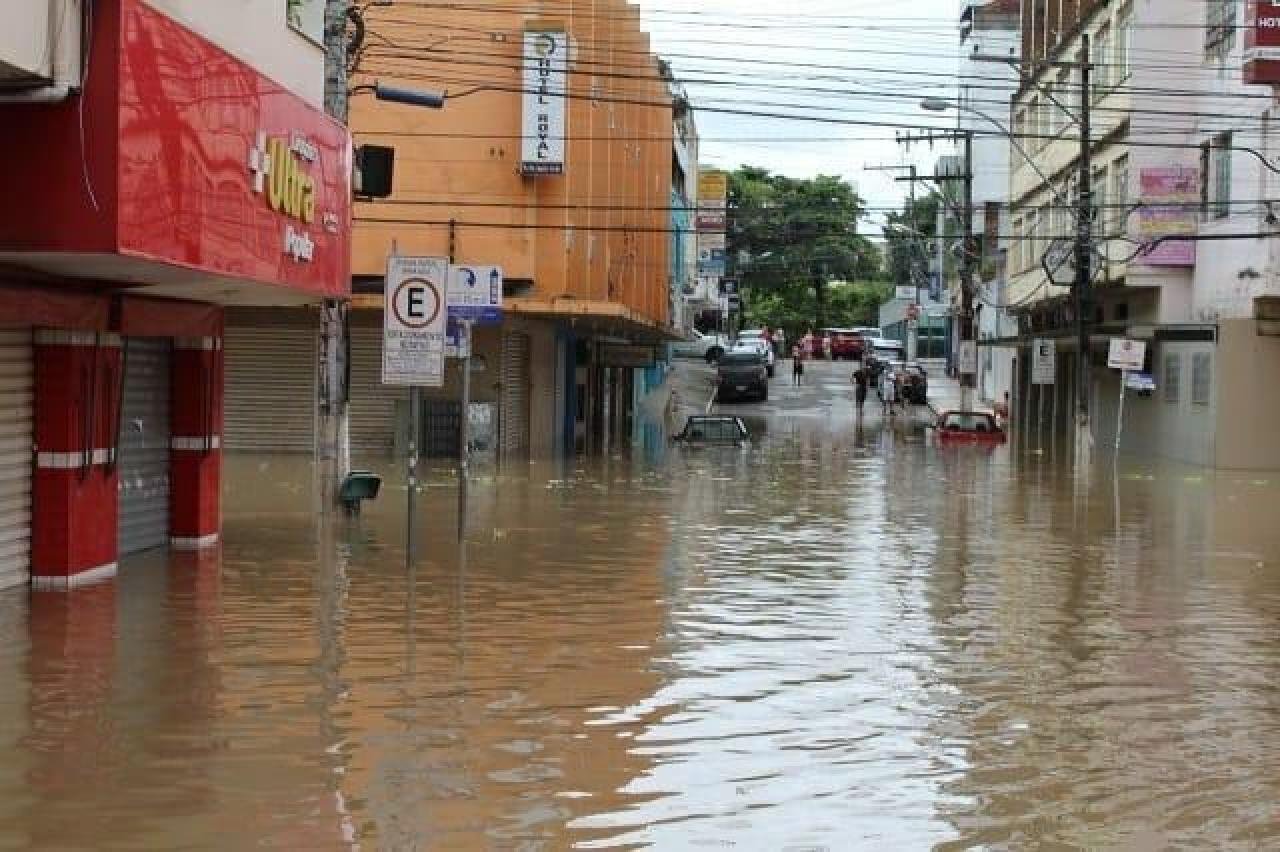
708	347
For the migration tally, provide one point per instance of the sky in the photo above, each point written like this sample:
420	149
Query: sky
849	60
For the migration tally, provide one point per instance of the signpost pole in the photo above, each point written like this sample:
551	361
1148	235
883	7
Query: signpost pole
1124	387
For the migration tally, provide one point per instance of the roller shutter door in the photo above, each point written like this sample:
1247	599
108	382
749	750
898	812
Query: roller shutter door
144	446
17	399
515	394
373	405
270	388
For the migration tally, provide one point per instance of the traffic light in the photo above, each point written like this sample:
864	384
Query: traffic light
374	169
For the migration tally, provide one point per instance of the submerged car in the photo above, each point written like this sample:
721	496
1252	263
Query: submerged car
708	347
969	427
701	430
742	373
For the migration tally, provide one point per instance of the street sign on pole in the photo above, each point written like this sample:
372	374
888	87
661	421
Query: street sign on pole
1044	362
1127	355
475	294
967	357
413	323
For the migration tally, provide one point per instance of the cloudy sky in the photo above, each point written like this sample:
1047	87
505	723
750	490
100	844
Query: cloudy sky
847	61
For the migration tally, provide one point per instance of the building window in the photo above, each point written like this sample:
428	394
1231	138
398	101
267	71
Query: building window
1102	59
1219	29
1172	377
1033	118
1120	194
1015	248
1062	91
1219	182
1100	208
1124	44
1201	378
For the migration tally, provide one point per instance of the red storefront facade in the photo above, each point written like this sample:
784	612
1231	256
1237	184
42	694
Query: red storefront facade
179	182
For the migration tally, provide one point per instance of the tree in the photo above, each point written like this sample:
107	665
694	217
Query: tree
790	239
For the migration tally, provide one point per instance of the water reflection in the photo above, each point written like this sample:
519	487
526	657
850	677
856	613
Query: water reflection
840	636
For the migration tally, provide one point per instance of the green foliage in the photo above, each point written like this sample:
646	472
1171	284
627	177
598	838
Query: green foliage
789	240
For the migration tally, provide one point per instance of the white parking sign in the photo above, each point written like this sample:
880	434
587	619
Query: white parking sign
413	323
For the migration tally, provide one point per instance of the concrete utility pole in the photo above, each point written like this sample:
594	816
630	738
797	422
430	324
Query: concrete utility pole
333	439
1084	269
968	337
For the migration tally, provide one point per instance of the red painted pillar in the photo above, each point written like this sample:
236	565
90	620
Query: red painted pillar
75	489
195	516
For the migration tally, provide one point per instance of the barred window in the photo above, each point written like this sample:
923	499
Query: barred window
1219	29
1201	378
1172	377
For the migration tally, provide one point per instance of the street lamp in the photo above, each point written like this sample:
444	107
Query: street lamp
941	105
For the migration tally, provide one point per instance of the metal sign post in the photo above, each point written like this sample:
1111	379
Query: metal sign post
474	298
1126	356
413	331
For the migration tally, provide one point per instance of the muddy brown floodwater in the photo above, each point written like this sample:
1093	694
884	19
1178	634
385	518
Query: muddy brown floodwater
828	640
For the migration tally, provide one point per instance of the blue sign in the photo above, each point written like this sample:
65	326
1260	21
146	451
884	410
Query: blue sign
475	294
935	287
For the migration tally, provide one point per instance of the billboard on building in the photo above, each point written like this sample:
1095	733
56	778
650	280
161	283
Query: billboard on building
1262	42
1170	197
713	201
545	85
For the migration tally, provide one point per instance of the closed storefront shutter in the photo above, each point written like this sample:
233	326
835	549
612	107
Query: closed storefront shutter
373	406
515	394
144	446
17	387
270	388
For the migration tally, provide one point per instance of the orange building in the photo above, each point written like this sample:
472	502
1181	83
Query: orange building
579	221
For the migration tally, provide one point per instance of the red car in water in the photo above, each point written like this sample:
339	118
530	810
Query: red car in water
846	343
969	427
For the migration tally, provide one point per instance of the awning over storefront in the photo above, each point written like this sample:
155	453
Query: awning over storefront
595	317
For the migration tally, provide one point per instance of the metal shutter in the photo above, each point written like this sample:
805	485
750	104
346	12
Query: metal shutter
372	410
270	388
17	399
144	446
515	393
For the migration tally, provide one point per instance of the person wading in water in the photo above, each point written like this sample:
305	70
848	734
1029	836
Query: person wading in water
797	365
860	382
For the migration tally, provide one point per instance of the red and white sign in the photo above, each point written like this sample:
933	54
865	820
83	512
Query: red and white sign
1262	42
179	166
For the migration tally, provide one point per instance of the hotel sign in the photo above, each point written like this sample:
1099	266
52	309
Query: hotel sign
545	87
1262	42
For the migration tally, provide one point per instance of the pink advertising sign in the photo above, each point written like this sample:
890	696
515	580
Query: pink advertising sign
1171	198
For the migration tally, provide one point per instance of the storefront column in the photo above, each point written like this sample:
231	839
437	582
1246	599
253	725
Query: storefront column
196	443
78	393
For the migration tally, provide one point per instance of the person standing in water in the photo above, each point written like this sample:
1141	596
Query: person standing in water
860	382
797	365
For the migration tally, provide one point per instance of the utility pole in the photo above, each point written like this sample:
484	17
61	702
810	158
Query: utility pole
913	325
968	348
968	339
333	439
1084	268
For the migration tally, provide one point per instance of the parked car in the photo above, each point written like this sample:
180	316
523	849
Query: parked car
846	343
914	383
708	347
742	373
969	427
764	348
703	430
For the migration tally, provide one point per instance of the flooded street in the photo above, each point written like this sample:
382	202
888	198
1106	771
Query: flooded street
834	638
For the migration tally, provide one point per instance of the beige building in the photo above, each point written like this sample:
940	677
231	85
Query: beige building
1167	161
